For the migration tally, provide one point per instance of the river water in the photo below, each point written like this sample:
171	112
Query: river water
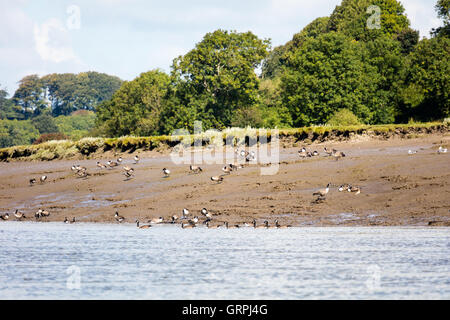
109	261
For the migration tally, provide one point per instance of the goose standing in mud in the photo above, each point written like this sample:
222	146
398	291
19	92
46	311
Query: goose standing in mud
4	217
118	218
136	159
343	187
19	215
302	153
195	169
119	160
442	150
194	220
174	219
412	152
355	190
66	220
218	179
43	179
185	213
322	192
166	172
145	226
226	169
112	164
206	213
32	182
315	153
82	174
327	152
128	172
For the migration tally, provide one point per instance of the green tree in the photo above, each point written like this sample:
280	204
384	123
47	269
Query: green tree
45	124
136	107
220	71
15	132
30	95
443	10
425	94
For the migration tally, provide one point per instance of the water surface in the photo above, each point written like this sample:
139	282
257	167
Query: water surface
46	260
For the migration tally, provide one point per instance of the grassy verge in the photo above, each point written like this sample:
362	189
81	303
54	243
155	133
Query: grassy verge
67	149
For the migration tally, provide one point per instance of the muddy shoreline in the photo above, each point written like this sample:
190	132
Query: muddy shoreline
397	189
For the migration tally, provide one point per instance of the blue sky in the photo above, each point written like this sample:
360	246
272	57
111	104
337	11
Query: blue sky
127	37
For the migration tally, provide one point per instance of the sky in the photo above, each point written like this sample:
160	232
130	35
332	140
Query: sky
128	37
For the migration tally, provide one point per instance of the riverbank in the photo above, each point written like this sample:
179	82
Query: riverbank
397	188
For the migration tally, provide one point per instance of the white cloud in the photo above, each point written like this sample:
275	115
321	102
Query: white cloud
52	41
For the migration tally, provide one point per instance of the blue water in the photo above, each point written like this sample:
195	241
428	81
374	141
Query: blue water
101	261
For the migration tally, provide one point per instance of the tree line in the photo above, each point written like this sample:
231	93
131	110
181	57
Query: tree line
336	70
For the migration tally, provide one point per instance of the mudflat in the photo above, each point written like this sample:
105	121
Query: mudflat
397	188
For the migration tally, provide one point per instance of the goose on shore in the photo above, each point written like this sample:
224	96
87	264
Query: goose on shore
19	215
343	187
206	213
136	159
195	169
118	218
101	165
327	152
66	220
112	164
129	173
157	220
145	226
269	227
194	220
315	153
32	181
442	150
412	151
174	219
322	192
4	216
227	169
217	179
119	160
43	179
73	220
166	172
185	213
82	174
338	154
355	190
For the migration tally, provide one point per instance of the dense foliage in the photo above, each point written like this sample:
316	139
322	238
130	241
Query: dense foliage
362	64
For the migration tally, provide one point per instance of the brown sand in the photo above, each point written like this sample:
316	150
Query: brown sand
397	188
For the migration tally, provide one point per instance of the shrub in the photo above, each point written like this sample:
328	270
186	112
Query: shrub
343	117
50	136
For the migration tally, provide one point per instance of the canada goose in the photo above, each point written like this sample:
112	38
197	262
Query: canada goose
302	153
244	154
355	190
217	179
42	179
343	187
127	168
166	172
338	154
277	225
66	220
194	220
234	226
206	213
267	225
136	159
264	226
156	220
442	150
412	152
216	226
187	226
101	165
73	220
19	215
226	169
119	160
174	219
83	174
315	153
112	164
129	173
5	216
37	214
145	226
118	218
328	152
32	181
322	192
195	169
185	213
233	167
44	213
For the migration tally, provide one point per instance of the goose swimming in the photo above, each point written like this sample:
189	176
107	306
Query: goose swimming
278	226
233	226
187	226
145	226
156	220
264	226
216	226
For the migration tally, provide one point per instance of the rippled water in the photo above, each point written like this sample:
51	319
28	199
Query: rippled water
46	260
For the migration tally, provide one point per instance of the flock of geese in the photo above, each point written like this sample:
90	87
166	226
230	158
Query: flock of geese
186	221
